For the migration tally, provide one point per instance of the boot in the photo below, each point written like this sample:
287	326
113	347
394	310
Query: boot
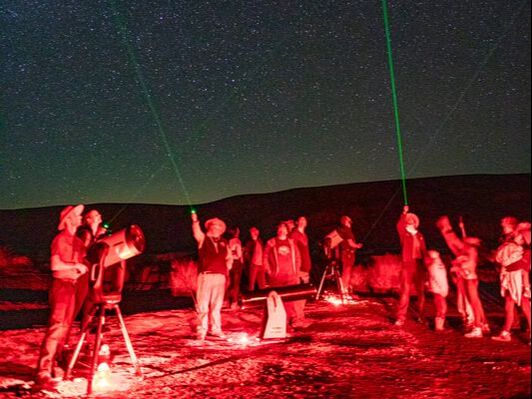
439	323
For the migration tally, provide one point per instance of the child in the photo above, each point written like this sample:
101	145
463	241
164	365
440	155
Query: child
439	287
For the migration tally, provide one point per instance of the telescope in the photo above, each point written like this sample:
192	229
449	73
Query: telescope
119	246
104	253
333	239
287	293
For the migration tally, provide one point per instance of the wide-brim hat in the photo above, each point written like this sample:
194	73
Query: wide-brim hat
66	212
411	218
215	221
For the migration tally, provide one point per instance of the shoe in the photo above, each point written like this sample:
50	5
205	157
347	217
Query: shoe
217	334
439	324
46	383
200	334
58	372
504	336
486	328
302	324
200	337
474	333
399	323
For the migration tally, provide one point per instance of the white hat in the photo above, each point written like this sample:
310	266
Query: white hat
66	212
216	221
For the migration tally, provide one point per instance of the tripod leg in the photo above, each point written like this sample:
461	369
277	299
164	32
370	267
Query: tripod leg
97	343
79	345
127	341
321	282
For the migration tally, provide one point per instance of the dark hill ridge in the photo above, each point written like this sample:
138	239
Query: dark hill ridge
481	199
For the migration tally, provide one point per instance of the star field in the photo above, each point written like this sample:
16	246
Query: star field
194	101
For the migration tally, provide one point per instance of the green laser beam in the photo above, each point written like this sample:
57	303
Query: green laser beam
145	91
453	108
394	98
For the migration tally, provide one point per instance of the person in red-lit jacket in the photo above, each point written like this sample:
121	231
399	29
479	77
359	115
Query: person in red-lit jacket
347	247
413	270
253	254
282	262
300	237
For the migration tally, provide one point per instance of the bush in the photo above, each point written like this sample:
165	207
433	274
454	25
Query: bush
9	259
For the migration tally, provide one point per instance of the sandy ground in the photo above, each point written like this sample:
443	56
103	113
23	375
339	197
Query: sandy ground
349	351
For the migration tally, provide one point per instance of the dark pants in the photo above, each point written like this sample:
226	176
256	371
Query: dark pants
348	261
64	297
257	274
412	274
235	276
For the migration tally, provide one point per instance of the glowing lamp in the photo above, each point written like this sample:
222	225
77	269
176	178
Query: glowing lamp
102	378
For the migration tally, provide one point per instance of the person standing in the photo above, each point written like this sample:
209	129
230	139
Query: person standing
69	280
282	261
89	232
300	237
347	248
215	261
465	267
413	270
235	275
92	228
462	303
514	258
254	254
439	286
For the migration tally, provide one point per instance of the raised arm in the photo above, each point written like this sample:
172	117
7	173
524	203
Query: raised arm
451	238
199	236
401	224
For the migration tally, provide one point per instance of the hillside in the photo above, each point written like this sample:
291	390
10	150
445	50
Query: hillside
374	207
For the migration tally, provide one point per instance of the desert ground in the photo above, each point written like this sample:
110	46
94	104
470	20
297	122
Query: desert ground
349	350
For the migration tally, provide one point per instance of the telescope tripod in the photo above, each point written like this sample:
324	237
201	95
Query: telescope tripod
109	302
331	272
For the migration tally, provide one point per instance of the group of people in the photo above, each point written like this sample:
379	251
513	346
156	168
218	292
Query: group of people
285	260
422	266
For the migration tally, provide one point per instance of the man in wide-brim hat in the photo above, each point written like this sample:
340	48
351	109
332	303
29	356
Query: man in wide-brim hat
413	269
215	261
69	281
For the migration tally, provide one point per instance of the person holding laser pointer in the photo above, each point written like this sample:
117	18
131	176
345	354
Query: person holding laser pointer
215	261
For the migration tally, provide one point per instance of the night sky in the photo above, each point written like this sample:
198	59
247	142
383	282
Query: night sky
179	102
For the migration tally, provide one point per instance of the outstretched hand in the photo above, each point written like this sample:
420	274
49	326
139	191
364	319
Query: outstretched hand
406	208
